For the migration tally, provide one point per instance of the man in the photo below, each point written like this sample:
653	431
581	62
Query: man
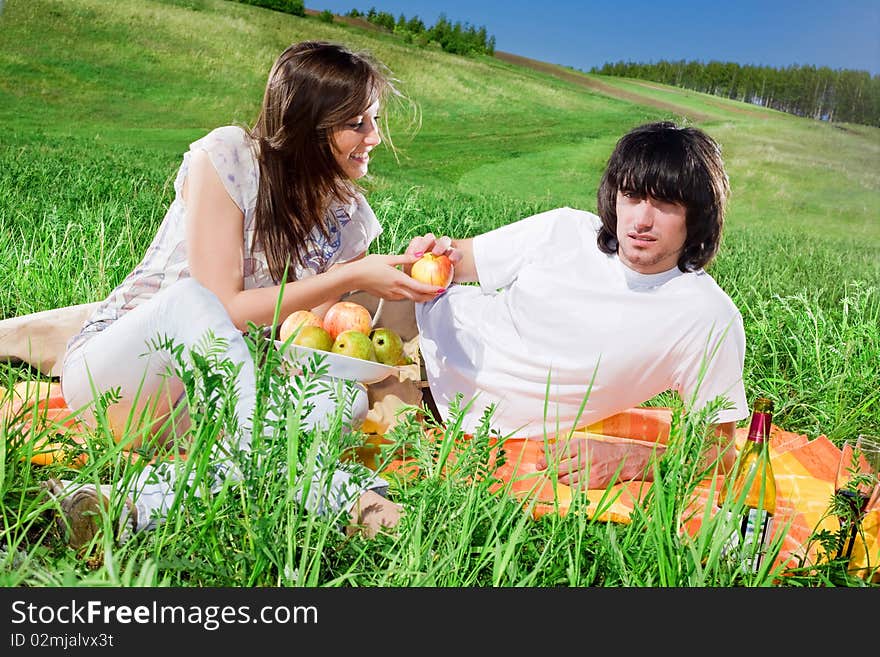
578	317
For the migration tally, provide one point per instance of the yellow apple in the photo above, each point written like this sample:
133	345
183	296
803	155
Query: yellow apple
314	337
433	270
355	344
295	320
388	346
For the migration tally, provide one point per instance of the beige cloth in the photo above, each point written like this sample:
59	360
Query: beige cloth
396	393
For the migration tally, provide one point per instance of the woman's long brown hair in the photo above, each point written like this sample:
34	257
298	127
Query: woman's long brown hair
313	88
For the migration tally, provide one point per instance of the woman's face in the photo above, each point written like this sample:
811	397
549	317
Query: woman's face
353	141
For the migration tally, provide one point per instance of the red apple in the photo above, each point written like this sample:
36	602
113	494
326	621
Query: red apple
433	270
347	316
295	320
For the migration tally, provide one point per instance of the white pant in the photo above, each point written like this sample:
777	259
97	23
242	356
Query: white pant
124	356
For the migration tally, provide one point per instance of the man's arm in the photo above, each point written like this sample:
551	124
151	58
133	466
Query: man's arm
724	447
601	462
465	267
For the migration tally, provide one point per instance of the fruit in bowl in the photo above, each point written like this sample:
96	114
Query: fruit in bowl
388	346
314	337
433	270
347	316
295	320
354	343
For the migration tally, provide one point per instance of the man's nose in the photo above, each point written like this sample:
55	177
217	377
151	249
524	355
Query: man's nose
645	215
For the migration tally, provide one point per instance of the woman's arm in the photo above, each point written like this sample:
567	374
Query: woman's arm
215	249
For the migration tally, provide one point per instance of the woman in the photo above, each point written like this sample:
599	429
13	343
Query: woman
250	206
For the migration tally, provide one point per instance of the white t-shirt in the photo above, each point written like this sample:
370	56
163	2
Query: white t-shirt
352	227
555	321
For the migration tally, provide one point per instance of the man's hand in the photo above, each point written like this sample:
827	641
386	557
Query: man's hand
598	463
371	513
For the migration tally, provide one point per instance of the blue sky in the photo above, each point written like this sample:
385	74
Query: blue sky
838	34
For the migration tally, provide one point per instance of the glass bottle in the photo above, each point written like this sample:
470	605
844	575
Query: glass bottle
754	487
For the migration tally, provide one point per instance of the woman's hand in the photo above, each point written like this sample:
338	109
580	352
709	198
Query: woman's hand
371	513
459	252
381	276
598	463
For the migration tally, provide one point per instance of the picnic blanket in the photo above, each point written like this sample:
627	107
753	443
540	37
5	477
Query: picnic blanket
804	468
804	471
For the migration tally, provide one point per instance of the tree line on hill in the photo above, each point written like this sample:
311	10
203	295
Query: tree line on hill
816	92
455	38
295	7
819	93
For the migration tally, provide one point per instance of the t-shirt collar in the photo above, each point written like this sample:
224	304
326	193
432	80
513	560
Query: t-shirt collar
638	281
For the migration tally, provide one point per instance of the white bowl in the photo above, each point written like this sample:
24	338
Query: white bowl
339	366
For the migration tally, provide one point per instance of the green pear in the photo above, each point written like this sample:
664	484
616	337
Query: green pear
314	337
388	346
355	344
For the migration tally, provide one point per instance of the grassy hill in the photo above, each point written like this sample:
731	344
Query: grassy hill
100	99
157	74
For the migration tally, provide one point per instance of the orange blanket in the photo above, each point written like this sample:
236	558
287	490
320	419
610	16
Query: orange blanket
804	470
41	404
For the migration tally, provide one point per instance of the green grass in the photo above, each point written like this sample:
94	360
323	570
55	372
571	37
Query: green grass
99	100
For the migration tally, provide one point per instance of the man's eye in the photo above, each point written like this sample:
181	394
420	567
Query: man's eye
668	206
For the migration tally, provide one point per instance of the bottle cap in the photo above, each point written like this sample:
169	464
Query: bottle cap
763	405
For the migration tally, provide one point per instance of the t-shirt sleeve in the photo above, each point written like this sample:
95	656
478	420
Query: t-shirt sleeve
229	151
717	370
501	253
357	235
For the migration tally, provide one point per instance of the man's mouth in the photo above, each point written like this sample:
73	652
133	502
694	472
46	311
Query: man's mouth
641	237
